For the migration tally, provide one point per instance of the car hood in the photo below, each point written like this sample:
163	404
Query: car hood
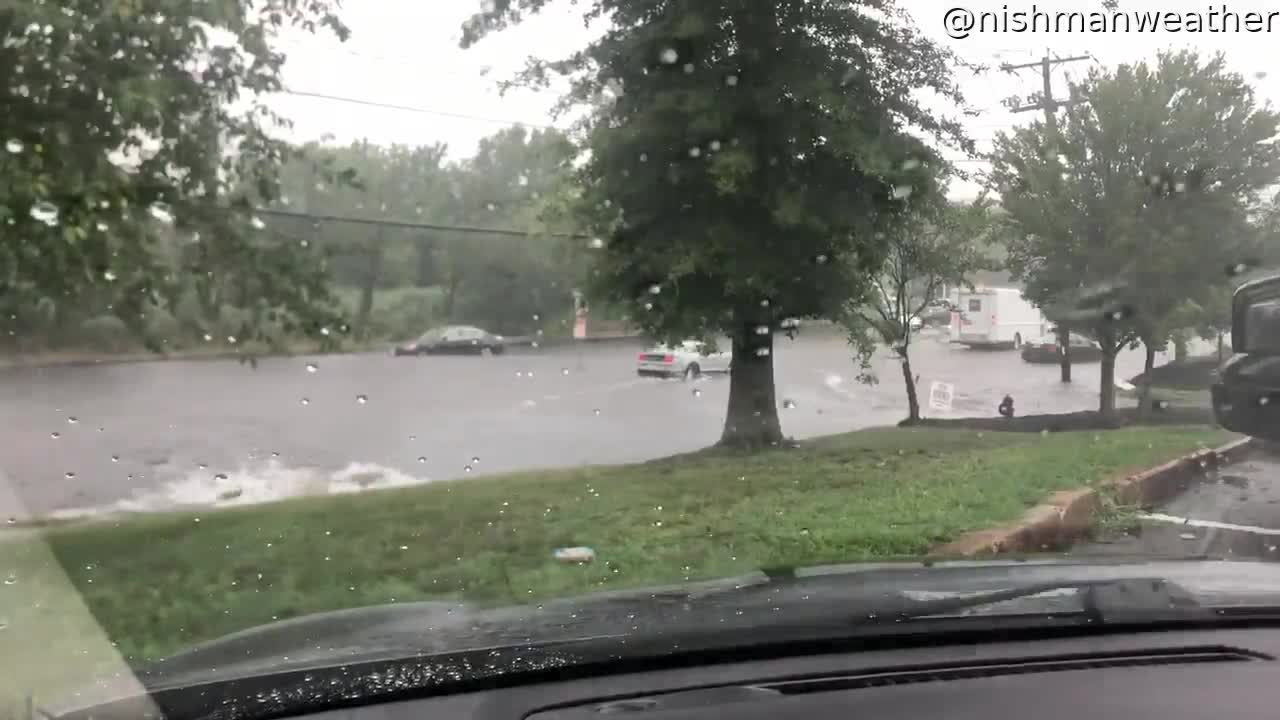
805	597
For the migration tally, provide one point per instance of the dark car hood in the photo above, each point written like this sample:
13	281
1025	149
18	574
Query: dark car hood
804	598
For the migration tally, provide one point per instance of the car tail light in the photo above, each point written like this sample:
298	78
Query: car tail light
1052	347
668	359
641	357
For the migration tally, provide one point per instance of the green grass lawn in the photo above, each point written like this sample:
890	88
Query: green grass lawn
145	586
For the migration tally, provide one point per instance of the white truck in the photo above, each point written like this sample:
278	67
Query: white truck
996	317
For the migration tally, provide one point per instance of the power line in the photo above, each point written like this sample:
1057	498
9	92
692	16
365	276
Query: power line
414	109
467	229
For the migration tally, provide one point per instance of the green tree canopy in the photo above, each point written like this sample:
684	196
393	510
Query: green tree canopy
1146	201
128	126
742	161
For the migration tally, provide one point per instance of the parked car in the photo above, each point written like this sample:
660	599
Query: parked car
937	313
1046	350
687	360
454	340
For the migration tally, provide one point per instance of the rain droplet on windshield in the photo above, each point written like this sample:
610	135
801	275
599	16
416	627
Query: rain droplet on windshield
160	211
655	289
596	243
902	192
731	81
14	145
45	212
55	435
362	399
305	401
788	404
312	367
115	458
422	459
669	56
69	475
72	420
697	392
257	223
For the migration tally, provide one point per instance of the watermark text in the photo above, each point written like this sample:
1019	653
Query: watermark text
961	23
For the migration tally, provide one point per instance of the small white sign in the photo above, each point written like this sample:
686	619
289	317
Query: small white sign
940	394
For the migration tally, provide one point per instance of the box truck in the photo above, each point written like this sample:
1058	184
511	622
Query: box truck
996	317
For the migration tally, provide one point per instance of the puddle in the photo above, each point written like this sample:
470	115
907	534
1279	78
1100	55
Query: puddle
1236	481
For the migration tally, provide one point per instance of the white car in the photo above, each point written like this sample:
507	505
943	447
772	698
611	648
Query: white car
687	360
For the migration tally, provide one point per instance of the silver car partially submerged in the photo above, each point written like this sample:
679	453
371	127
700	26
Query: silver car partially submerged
687	360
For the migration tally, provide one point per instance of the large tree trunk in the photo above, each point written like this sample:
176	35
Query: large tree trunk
1144	392
1064	345
1107	393
1221	349
752	418
913	400
1180	350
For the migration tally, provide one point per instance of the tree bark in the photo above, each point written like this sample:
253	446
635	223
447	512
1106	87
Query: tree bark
1107	393
1221	348
373	270
1144	392
752	418
1180	350
426	269
451	295
913	400
1064	345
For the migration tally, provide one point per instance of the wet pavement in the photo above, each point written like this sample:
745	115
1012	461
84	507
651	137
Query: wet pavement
150	436
1234	513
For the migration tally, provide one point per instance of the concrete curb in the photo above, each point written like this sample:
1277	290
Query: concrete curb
1068	515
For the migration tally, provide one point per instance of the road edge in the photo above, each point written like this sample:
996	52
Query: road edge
1068	515
41	361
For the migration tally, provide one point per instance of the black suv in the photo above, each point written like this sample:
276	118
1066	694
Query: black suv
1246	399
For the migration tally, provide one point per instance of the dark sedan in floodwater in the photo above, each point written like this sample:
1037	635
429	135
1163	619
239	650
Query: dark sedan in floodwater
1047	350
454	340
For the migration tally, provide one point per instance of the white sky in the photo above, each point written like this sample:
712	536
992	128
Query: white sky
405	52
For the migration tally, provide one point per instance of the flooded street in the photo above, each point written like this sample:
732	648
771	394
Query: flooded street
151	436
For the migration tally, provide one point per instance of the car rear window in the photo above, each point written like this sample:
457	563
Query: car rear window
975	305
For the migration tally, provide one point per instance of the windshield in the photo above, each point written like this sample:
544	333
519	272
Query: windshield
855	233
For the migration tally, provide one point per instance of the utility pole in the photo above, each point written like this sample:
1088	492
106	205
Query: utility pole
1050	106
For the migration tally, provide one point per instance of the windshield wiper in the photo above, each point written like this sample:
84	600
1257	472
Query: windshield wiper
1144	599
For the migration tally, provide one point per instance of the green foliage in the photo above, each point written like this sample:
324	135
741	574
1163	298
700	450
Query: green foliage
1124	225
935	246
743	157
125	168
498	281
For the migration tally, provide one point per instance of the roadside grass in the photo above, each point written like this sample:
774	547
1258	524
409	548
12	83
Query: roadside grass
145	586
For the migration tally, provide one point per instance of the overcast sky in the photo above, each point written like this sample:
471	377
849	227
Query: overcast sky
405	53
